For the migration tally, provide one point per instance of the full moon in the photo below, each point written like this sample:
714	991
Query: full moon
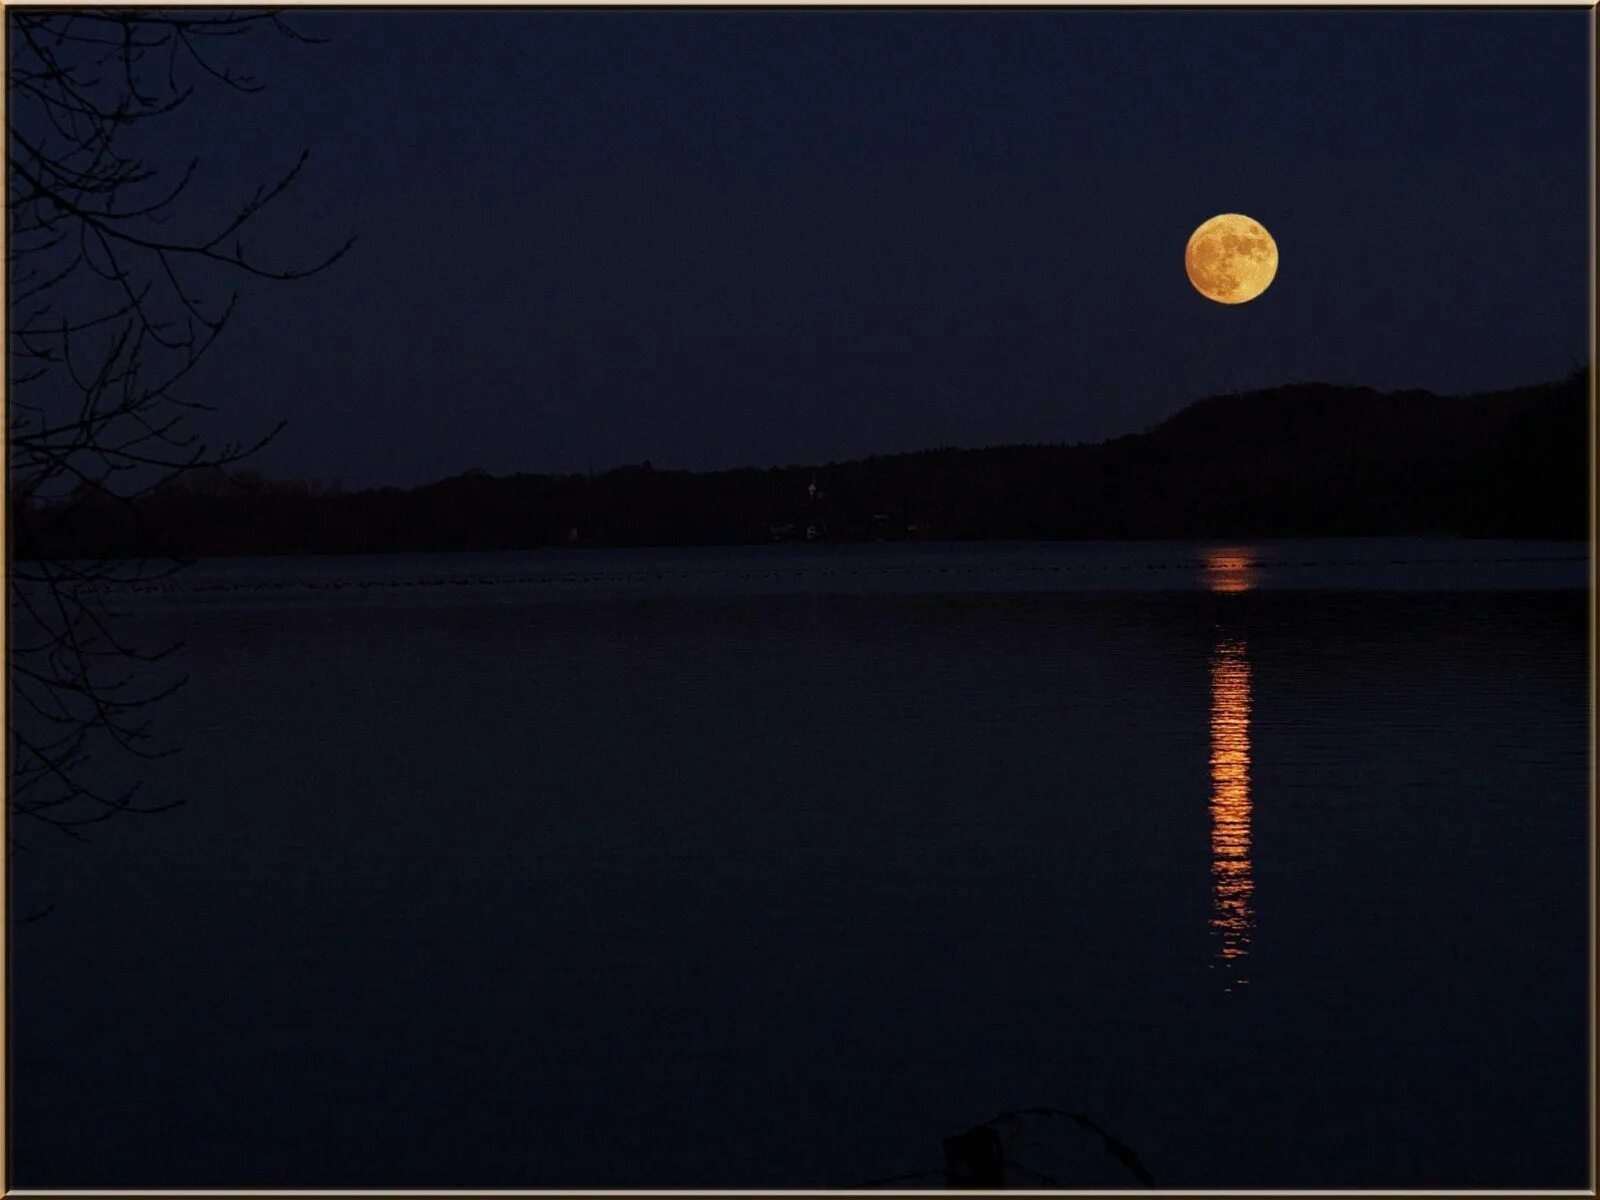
1231	259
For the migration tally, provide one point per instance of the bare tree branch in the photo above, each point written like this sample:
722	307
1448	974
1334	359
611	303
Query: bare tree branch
109	314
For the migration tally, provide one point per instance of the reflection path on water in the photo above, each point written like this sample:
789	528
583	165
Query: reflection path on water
1231	571
1231	912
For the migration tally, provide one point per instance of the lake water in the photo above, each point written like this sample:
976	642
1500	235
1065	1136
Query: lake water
771	867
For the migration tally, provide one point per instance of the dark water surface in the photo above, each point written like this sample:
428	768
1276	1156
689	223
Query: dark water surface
771	867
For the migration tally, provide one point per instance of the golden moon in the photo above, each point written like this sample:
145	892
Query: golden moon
1231	259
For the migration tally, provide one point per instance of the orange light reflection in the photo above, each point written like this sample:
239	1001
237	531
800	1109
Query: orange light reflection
1230	570
1231	885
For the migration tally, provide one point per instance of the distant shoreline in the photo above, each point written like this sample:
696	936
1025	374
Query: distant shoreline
798	551
1306	461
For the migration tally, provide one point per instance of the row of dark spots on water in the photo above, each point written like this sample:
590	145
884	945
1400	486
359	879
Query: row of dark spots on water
902	569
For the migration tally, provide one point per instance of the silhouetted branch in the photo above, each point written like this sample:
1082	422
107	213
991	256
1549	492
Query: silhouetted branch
1118	1149
108	317
977	1158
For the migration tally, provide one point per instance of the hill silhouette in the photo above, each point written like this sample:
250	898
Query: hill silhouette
1302	460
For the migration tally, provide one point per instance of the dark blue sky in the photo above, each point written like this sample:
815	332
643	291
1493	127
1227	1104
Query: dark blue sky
718	238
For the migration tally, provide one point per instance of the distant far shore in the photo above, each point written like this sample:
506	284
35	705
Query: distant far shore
1302	461
799	550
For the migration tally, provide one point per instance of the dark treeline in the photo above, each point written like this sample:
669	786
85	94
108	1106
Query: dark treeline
1304	460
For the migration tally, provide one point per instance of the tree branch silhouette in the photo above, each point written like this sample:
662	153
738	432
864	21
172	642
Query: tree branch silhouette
111	309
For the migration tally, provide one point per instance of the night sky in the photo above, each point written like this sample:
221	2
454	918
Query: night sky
726	238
